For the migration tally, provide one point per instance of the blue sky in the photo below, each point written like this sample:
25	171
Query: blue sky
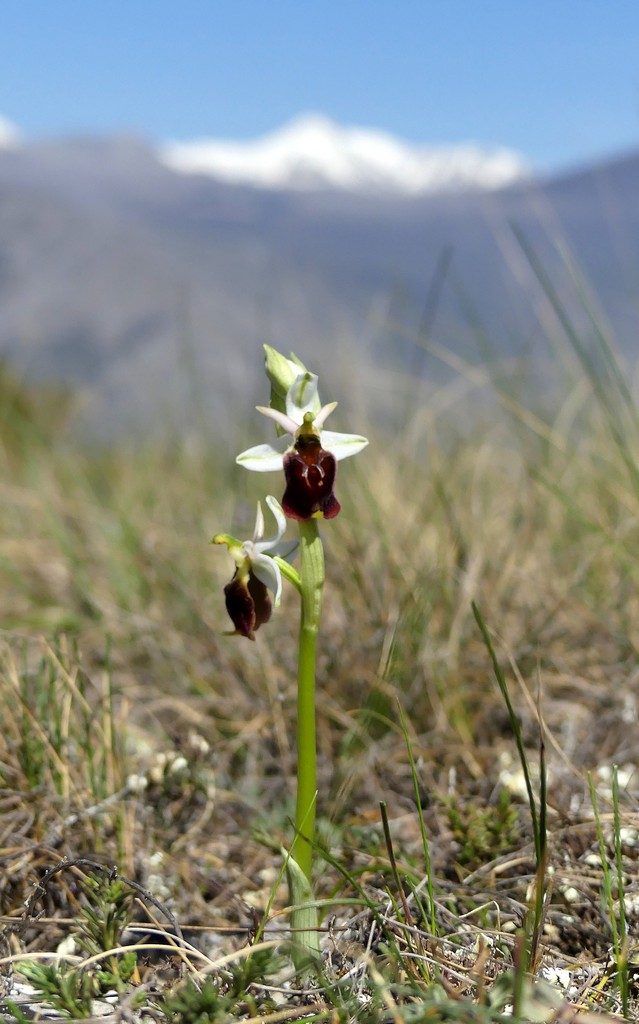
557	80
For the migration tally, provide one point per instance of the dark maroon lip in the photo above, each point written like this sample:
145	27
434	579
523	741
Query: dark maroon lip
310	478
248	604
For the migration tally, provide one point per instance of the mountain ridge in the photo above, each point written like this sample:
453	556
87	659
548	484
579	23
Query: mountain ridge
152	292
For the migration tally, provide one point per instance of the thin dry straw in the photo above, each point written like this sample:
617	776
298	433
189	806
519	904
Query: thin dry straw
514	721
422	824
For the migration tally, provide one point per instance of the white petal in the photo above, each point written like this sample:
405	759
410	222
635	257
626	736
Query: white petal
275	545
258	532
324	413
268	572
284	421
343	445
278	515
263	458
286	549
271	544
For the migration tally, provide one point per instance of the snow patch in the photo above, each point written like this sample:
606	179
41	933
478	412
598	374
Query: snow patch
313	152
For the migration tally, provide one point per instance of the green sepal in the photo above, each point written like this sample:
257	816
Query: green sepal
226	538
281	372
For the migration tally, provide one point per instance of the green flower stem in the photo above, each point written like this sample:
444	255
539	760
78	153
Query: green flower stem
311	589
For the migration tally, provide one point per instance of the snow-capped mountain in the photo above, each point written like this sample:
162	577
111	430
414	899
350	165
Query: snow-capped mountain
165	284
313	152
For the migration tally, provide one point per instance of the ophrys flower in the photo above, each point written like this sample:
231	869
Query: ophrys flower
247	595
309	462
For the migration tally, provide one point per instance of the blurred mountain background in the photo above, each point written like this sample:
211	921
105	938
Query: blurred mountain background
147	278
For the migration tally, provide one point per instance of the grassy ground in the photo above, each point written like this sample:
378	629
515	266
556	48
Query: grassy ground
147	761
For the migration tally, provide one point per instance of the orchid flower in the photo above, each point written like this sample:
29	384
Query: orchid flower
256	572
308	454
309	461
